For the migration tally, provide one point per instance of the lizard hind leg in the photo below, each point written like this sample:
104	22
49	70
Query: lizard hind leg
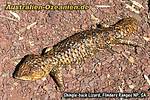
110	49
126	27
130	43
56	74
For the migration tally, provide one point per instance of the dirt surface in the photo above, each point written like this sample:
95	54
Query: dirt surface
26	32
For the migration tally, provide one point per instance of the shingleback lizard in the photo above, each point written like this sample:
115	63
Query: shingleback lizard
73	50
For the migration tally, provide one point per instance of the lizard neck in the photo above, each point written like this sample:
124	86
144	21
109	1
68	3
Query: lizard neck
49	61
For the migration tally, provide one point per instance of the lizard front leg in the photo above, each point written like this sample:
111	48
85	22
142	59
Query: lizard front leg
56	74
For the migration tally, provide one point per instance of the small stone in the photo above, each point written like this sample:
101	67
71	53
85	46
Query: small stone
5	74
31	43
16	84
132	86
20	38
108	75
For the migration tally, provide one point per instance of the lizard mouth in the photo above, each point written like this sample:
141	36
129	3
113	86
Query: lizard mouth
21	75
31	76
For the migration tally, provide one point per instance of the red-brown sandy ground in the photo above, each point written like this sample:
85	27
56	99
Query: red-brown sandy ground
105	72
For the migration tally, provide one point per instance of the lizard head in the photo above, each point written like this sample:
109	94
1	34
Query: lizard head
30	68
125	27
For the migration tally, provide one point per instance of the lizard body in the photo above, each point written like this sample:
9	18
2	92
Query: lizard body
74	49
